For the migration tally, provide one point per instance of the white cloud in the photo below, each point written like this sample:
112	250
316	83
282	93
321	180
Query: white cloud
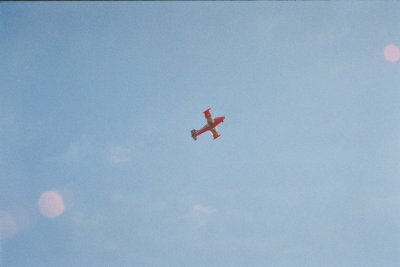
201	210
200	214
79	151
75	152
119	155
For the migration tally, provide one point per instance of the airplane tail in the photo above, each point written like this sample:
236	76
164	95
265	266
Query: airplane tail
194	134
207	113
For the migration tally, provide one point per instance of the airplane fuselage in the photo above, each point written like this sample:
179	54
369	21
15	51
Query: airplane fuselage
210	126
207	127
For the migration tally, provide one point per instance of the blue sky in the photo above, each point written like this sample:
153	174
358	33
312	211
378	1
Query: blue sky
97	101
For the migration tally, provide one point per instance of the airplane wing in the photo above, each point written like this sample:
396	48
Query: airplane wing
208	116
215	133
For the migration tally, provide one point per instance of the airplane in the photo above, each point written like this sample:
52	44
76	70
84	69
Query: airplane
210	126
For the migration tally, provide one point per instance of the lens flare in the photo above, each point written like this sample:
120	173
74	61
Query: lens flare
51	204
392	53
8	226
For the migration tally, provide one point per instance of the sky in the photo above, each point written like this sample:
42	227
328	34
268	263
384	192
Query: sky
98	167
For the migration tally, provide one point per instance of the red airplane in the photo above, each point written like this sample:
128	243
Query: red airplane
210	126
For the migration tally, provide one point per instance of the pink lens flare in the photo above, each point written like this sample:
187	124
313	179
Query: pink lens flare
392	53
51	204
8	226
